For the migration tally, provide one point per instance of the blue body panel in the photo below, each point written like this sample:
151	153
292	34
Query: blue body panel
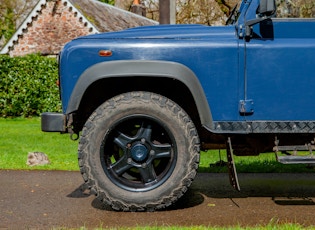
275	68
210	52
281	70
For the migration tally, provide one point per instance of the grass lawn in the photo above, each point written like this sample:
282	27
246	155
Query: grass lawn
19	136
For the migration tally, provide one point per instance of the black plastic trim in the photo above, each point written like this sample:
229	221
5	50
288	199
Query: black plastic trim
53	122
243	127
138	68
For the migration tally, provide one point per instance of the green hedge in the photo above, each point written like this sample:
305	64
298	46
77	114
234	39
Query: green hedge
28	86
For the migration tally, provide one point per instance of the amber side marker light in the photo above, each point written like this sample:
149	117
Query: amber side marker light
105	53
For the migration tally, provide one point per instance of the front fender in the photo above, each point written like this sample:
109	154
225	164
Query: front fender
143	68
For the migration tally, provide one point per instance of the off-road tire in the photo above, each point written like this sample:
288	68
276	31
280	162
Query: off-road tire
158	178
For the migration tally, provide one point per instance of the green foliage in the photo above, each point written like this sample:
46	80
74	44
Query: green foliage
28	86
112	2
7	24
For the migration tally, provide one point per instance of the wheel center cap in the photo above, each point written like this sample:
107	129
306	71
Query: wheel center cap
139	152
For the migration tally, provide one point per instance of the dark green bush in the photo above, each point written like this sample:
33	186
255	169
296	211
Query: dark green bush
28	86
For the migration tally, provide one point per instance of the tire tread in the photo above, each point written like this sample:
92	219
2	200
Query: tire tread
163	103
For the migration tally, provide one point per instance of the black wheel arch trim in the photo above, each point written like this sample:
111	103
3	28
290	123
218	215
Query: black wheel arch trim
138	68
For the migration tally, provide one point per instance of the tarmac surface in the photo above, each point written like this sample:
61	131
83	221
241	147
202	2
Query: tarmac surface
54	199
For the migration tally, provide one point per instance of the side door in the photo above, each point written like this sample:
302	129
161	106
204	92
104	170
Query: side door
280	70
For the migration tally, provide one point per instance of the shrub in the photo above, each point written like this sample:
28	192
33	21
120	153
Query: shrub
28	86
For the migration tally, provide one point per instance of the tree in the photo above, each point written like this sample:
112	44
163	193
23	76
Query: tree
296	8
123	4
207	12
111	2
7	20
12	12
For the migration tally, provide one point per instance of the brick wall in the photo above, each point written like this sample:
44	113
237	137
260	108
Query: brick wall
54	26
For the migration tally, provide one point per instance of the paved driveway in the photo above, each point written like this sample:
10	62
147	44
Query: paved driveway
47	199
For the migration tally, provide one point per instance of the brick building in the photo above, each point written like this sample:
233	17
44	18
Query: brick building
52	23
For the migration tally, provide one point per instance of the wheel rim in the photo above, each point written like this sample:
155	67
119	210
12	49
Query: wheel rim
138	153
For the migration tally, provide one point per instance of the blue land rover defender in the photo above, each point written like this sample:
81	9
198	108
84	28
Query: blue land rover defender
145	101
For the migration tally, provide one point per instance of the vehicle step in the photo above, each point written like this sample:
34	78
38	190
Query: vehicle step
296	159
293	148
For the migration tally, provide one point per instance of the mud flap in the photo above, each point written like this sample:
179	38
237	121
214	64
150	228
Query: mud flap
231	166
